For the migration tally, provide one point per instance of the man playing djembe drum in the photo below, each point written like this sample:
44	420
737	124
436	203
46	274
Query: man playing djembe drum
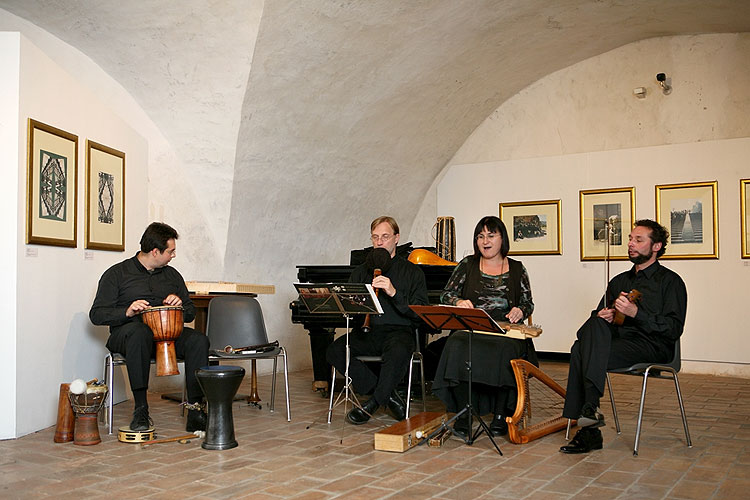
132	286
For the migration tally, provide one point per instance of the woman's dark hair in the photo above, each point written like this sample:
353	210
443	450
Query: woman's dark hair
156	235
659	234
493	225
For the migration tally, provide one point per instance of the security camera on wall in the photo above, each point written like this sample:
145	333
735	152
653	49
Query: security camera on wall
664	83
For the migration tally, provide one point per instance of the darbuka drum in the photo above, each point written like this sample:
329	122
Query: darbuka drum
219	385
166	324
86	406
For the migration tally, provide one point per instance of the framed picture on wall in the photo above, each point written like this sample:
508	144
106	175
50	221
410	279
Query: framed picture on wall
690	214
607	216
105	197
744	203
51	186
533	227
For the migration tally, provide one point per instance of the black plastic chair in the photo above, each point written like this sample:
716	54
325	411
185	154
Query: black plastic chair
653	370
237	321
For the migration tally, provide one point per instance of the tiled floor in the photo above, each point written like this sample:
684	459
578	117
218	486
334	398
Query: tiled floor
309	459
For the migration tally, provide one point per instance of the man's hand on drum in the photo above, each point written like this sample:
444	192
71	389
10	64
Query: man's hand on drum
172	300
137	306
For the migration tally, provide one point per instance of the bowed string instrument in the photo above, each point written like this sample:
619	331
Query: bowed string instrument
633	295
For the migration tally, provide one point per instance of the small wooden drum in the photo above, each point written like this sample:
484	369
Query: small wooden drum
166	324
86	406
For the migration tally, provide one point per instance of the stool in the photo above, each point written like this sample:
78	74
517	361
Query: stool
219	385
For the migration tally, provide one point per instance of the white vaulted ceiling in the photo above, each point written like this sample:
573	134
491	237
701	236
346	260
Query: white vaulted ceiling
302	120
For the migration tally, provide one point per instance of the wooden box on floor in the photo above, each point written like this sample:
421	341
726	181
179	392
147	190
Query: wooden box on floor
403	435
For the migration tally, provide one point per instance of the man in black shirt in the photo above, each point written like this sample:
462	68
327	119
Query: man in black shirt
391	335
651	325
130	287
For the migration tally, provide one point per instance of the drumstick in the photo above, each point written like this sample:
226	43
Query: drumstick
186	438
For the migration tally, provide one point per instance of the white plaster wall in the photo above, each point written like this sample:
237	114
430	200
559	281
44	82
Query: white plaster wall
582	128
10	53
55	342
188	110
565	289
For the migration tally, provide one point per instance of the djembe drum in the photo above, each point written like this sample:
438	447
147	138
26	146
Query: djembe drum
219	385
166	324
86	406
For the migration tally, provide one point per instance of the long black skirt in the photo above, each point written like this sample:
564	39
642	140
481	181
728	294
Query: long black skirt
491	357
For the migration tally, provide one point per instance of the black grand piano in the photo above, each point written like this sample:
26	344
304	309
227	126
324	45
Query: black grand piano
321	327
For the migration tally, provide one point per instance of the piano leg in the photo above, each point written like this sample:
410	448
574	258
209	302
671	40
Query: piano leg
320	339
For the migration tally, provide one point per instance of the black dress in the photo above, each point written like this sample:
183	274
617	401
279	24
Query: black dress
492	375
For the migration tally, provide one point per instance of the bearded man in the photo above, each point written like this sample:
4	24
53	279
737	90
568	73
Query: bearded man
649	328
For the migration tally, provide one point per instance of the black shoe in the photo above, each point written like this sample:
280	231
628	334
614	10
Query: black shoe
585	440
461	427
499	427
590	417
141	420
397	407
359	416
196	421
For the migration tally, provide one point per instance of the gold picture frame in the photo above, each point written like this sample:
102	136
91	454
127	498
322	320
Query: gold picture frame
744	221
51	186
606	218
687	210
533	227
105	197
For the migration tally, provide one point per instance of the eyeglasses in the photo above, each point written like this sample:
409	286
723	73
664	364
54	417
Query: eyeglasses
385	238
487	236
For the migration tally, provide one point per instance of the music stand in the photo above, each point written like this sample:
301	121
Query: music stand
347	299
471	320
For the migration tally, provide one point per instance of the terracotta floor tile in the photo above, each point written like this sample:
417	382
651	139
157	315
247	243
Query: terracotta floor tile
309	459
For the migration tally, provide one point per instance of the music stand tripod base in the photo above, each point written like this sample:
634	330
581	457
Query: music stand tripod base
470	320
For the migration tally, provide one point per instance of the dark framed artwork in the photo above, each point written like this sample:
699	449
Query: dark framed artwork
51	186
105	197
607	216
533	227
690	213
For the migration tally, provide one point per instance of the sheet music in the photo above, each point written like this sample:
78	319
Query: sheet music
344	298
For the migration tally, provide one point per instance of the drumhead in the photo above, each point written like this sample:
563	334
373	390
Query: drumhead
161	308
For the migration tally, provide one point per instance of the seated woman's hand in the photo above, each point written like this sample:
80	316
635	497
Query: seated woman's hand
465	303
515	315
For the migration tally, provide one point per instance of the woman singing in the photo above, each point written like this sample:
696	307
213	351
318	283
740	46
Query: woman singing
491	281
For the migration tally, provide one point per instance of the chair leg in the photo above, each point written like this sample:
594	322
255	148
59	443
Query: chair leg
640	413
286	386
408	385
109	377
682	410
612	401
567	431
333	390
422	382
273	383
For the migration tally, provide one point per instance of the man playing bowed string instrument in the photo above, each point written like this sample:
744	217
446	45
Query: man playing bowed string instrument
132	286
648	334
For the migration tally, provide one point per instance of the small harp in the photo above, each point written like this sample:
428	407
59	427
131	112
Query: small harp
548	397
